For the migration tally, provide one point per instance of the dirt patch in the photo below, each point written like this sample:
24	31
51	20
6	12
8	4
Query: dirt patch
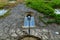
29	37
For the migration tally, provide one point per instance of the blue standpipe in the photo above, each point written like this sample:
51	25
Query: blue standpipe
29	18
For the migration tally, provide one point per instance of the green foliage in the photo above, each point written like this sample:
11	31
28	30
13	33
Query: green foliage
2	5
57	19
45	8
40	6
57	2
54	3
50	21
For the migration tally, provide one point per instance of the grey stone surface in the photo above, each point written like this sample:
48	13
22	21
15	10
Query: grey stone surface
10	27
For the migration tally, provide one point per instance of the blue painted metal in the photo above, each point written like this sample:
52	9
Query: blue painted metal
26	22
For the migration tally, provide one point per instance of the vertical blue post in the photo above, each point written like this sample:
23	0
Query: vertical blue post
29	18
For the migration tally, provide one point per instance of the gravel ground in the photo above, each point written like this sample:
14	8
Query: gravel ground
10	27
13	23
